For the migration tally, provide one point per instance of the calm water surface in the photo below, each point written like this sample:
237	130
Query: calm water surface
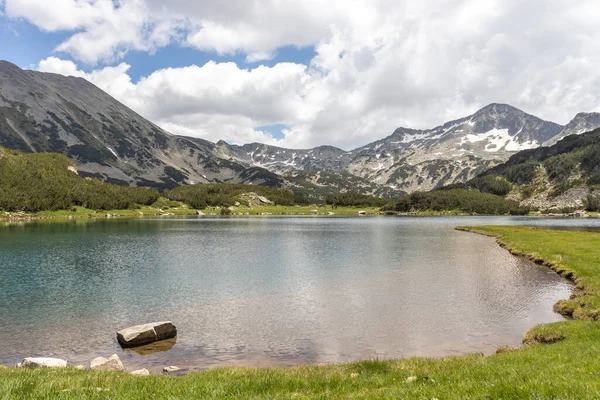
268	291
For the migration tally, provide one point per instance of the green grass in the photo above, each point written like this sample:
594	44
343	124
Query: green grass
560	361
182	209
313	209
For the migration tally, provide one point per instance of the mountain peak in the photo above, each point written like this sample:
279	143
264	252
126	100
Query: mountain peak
498	108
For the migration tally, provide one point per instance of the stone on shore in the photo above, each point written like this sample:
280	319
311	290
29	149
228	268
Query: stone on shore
148	333
362	212
42	362
141	372
112	363
172	368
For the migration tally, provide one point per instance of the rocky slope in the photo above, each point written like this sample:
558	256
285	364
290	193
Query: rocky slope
411	159
583	122
67	115
552	177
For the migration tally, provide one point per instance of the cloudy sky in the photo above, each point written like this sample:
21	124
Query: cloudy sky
300	73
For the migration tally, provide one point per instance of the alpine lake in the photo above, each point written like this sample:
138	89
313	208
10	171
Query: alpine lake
269	291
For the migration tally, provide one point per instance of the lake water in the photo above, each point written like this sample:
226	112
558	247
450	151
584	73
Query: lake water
268	291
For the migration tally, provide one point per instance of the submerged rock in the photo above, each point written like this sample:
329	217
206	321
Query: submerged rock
112	363
42	362
148	333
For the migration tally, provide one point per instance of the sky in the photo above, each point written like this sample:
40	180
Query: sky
303	73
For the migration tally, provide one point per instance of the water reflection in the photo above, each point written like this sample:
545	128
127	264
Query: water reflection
267	291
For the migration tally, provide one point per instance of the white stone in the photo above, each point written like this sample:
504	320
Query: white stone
172	368
42	362
112	363
141	372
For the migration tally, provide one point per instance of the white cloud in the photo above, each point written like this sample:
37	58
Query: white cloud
103	30
214	101
379	64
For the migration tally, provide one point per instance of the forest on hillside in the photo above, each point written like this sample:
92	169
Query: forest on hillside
44	182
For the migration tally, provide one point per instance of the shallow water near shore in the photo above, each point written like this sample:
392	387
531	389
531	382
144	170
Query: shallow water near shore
269	291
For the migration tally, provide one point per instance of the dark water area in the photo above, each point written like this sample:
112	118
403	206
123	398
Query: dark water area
268	291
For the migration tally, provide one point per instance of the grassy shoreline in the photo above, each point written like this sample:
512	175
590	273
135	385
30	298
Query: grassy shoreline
184	210
559	360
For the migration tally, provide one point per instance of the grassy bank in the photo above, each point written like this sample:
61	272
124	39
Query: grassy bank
560	360
184	210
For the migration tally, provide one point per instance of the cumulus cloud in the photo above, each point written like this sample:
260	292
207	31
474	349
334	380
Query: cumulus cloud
379	64
103	30
215	101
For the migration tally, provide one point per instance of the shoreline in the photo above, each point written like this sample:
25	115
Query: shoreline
563	273
187	212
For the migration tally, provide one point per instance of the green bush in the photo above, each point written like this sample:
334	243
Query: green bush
226	195
522	174
592	203
470	201
355	199
493	184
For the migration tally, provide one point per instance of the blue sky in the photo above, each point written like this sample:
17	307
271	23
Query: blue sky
25	44
341	72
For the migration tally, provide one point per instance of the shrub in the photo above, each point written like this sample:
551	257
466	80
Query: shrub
592	203
225	195
354	199
471	201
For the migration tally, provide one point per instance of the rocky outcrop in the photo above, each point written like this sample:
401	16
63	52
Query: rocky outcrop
147	333
112	363
42	362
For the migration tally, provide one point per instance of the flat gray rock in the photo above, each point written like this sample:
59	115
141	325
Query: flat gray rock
148	333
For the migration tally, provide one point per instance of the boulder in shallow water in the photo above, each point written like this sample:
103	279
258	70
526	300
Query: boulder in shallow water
148	333
171	368
42	362
112	363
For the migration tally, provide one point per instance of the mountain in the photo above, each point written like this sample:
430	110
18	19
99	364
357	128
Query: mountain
411	159
552	177
583	122
42	112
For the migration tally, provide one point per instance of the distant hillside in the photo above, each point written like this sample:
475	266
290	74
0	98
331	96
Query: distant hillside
555	177
47	181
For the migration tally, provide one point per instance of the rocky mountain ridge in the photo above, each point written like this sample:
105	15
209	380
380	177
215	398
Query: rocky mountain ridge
68	115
